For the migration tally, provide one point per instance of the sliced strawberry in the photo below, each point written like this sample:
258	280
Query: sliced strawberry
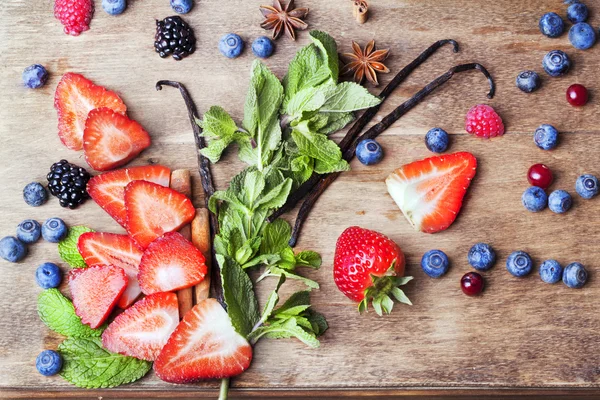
430	192
111	139
75	97
153	210
108	189
95	292
204	346
142	330
170	263
99	248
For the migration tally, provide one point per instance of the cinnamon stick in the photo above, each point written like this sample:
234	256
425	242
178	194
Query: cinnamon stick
376	130
181	181
202	240
360	11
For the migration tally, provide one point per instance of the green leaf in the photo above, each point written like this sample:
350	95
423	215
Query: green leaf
275	237
317	321
306	100
221	131
276	197
347	97
329	122
58	313
296	300
266	259
67	248
307	69
329	52
238	292
254	183
318	146
308	259
86	364
287	329
275	271
272	301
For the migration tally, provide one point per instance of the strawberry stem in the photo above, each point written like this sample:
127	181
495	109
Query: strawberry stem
380	291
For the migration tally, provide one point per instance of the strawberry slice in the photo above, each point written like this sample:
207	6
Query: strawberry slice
74	98
111	139
108	189
99	248
142	330
170	263
430	192
95	292
204	346
153	210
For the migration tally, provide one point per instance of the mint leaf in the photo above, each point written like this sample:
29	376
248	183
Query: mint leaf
318	322
276	236
271	301
306	100
263	101
86	364
221	131
329	122
305	70
276	271
286	329
238	292
347	97
308	259
329	52
275	197
58	313
67	248
318	146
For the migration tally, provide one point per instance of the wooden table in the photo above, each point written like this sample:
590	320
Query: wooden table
521	335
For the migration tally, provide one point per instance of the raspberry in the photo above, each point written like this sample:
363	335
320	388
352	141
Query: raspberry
483	121
75	15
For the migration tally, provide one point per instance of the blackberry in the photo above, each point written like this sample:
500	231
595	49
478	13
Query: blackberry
174	37
68	183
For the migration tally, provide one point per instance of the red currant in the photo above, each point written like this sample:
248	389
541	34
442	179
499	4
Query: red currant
471	283
577	95
539	175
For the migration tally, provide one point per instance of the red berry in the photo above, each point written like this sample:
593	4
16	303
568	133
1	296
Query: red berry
75	15
539	175
471	283
483	121
577	95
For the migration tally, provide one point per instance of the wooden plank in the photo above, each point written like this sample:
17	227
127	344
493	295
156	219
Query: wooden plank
182	182
521	336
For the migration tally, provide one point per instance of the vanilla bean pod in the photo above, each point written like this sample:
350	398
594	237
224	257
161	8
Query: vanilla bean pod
362	121
205	176
376	130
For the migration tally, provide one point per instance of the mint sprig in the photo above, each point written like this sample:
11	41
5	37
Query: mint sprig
58	313
67	248
88	365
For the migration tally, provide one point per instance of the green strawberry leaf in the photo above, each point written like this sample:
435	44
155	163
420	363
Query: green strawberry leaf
67	248
86	364
58	313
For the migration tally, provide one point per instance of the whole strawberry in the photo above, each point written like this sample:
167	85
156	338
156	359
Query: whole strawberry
75	15
369	267
483	121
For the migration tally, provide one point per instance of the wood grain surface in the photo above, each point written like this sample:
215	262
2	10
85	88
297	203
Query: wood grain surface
521	335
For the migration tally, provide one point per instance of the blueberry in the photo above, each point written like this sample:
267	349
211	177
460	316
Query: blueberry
114	7
35	76
577	12
12	249
54	230
35	194
435	263
437	140
369	152
556	63
551	271
560	201
587	186
546	137
263	47
182	6
29	231
534	199
575	275
528	81
231	45
48	363
552	25
48	275
582	36
481	256
519	264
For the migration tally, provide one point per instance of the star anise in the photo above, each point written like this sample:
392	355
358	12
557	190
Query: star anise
285	18
365	63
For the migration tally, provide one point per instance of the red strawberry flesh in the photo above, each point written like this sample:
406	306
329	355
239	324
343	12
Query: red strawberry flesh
170	263
95	292
111	140
74	98
153	210
204	346
108	189
142	330
99	248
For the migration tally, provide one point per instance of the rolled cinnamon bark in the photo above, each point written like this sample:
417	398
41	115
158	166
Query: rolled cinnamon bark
361	11
202	241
